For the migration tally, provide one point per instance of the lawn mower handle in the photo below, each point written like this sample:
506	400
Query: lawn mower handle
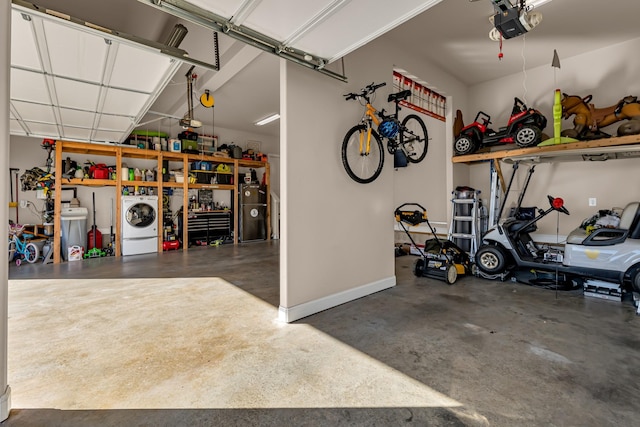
414	217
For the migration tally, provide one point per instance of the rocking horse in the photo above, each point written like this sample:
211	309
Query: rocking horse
589	120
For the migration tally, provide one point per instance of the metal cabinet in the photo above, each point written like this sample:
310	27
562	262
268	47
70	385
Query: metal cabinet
205	227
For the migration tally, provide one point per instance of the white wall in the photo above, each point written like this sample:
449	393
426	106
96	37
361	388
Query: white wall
337	234
268	144
428	182
607	74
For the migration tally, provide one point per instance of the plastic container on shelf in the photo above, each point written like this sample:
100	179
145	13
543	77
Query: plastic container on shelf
175	145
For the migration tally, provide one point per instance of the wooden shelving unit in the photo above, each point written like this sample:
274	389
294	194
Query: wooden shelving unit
127	152
548	153
549	150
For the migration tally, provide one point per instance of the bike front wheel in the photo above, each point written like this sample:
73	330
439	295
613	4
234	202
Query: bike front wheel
362	165
31	253
414	138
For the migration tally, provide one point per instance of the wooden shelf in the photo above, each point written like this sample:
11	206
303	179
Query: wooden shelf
139	153
172	156
250	163
89	182
208	158
140	183
549	149
173	184
93	149
119	153
213	186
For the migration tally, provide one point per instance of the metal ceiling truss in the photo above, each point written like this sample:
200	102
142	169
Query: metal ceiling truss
174	52
233	28
47	111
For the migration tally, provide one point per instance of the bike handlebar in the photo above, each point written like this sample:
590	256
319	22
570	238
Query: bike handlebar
368	89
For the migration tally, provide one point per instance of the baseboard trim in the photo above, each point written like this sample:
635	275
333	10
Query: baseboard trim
5	404
297	312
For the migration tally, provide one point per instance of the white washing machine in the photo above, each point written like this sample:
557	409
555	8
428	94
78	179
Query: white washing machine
139	225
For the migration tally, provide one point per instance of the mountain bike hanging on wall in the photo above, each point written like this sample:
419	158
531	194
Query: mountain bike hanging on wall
362	148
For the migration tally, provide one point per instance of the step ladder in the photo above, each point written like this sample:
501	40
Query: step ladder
465	218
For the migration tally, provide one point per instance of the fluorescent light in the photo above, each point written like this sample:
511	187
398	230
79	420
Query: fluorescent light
269	119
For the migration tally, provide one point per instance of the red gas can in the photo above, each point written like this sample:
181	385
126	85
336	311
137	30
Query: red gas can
99	171
98	239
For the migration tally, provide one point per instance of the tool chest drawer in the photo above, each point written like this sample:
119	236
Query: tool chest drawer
205	227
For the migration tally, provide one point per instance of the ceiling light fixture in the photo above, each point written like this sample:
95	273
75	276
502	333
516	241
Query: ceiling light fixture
268	119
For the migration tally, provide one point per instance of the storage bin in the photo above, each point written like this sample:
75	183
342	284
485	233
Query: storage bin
203	177
201	166
224	178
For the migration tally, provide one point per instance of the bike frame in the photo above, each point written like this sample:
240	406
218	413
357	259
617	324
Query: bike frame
20	245
369	116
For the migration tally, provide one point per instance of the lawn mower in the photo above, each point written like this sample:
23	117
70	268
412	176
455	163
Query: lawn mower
440	259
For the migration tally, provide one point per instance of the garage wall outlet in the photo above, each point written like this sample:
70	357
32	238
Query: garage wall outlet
592	201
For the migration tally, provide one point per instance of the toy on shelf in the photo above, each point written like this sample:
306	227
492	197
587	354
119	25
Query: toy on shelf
557	124
523	129
589	120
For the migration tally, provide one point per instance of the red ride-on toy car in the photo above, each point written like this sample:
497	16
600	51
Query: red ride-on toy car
524	129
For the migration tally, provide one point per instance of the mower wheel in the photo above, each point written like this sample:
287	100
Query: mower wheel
452	274
527	136
418	270
465	144
491	259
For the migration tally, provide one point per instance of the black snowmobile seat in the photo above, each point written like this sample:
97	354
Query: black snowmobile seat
518	225
629	220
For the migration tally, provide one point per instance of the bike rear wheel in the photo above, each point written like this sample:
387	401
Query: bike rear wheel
362	166
414	138
31	253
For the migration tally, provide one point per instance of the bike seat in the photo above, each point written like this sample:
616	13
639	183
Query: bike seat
400	96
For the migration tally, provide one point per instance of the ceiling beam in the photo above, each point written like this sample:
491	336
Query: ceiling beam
316	20
189	12
244	11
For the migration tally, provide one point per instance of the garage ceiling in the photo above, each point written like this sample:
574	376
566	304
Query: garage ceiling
451	35
312	33
71	82
77	83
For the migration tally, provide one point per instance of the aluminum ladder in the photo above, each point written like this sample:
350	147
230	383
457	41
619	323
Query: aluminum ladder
465	218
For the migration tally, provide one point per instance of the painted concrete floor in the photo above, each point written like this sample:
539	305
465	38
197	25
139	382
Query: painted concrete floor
113	342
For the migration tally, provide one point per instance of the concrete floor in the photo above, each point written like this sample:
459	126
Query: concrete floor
111	342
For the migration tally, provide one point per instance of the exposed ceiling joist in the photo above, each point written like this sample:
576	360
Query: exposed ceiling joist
71	80
197	15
